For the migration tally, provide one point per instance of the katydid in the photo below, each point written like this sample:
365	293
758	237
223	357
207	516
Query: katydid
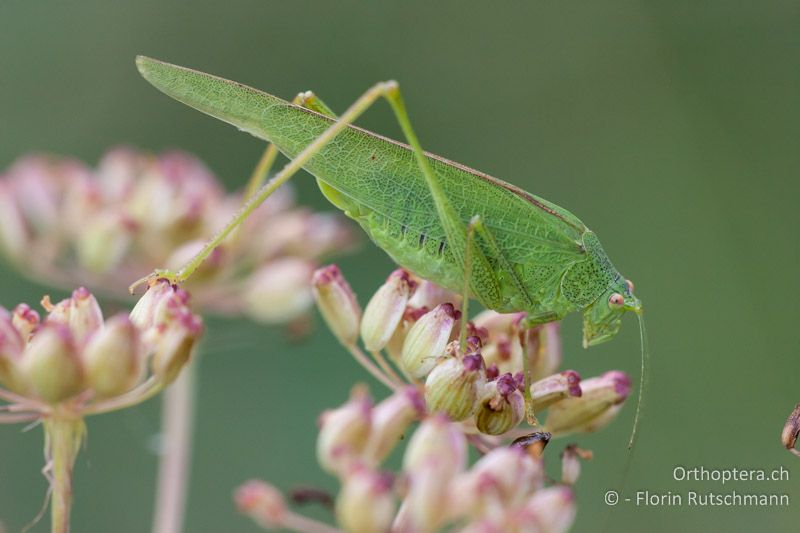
460	228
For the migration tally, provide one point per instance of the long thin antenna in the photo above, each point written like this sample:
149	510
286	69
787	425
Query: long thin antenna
644	377
643	381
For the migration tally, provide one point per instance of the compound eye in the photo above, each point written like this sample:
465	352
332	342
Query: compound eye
615	301
629	283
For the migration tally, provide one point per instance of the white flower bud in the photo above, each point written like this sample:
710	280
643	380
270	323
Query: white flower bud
551	509
173	346
113	358
365	503
429	295
262	502
13	232
437	439
427	340
344	432
83	315
25	320
504	475
390	419
50	365
425	506
280	291
600	402
452	386
385	310
103	243
555	388
337	303
11	349
543	348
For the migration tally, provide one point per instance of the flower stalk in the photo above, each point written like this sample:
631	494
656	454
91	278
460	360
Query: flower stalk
64	435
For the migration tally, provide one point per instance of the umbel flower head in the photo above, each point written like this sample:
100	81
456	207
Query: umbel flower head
463	381
73	361
66	224
436	488
415	326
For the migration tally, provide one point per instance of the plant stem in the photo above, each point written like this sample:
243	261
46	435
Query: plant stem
386	367
177	421
63	438
365	361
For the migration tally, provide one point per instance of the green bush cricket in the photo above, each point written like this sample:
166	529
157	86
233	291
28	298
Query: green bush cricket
460	228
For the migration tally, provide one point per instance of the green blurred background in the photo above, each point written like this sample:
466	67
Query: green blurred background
670	128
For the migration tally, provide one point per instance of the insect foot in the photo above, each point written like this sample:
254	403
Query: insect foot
571	459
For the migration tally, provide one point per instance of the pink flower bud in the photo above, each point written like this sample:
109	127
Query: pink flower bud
344	432
337	303
791	430
390	420
385	310
169	328
14	237
50	364
113	358
504	475
437	439
425	506
551	509
173	346
81	313
262	502
365	503
25	320
103	242
280	291
555	388
145	313
427	340
543	348
429	295
601	401
11	348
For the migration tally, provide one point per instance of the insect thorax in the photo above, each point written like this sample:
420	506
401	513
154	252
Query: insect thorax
586	280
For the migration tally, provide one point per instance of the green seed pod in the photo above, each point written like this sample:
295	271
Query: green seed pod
503	407
452	387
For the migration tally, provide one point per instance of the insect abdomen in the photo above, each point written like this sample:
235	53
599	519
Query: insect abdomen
427	257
